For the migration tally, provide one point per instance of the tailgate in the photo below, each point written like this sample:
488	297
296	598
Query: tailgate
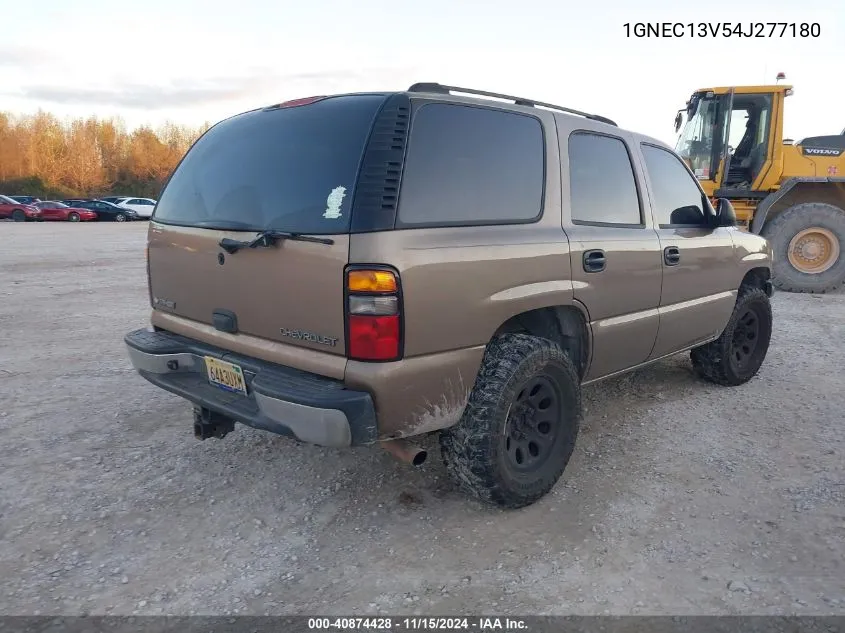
291	293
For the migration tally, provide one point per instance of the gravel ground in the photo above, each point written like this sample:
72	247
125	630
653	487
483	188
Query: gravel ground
682	498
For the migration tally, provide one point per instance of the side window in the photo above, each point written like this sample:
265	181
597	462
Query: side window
601	181
677	199
472	165
134	201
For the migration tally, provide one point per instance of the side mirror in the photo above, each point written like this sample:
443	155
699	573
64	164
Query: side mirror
678	120
725	214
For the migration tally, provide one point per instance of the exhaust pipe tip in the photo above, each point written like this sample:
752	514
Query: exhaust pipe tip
405	451
420	457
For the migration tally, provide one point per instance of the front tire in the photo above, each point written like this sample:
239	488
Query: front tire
120	218
737	355
808	248
73	217
18	215
518	430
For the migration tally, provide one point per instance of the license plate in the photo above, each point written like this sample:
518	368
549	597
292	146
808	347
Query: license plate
225	375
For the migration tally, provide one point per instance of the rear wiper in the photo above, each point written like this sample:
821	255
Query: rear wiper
266	239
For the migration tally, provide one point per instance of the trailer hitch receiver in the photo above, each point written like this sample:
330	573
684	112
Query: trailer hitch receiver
208	423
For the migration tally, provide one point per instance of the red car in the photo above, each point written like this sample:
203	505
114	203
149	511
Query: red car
59	211
17	211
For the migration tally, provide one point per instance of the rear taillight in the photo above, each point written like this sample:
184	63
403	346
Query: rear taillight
373	315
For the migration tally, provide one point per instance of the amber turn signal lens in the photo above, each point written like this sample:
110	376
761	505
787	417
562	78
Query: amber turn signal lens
371	281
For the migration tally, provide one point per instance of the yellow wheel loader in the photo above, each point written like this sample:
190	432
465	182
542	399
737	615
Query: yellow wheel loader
791	193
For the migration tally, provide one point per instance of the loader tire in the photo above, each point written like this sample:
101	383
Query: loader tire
808	248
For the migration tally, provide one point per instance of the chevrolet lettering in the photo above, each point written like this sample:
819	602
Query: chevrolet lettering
164	303
308	336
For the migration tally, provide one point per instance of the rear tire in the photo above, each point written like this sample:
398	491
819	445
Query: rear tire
815	261
73	217
519	428
120	218
18	215
737	355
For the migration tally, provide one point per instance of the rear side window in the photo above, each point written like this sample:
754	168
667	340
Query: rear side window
601	181
290	169
678	201
470	165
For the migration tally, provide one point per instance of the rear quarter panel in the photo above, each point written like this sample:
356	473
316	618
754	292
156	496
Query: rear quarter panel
459	285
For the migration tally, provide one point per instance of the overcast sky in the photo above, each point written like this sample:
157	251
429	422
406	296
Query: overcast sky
192	61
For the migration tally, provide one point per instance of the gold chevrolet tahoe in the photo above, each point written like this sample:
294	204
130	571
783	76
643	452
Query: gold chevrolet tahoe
361	269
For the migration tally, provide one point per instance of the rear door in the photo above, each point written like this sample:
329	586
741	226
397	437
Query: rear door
50	211
102	209
145	207
6	206
288	168
615	252
699	267
133	204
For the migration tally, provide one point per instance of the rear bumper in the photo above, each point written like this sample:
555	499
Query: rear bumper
283	400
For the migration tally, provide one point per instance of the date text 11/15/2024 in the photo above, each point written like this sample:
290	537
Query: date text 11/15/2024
722	29
417	624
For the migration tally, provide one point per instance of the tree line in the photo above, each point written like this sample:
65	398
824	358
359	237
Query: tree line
41	155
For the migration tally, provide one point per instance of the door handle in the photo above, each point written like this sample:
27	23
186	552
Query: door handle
671	255
594	261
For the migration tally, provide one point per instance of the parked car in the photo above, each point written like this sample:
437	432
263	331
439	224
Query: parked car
59	211
114	199
106	211
26	199
461	266
142	206
18	211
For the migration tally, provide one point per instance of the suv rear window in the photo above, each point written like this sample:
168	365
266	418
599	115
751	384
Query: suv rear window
289	169
471	165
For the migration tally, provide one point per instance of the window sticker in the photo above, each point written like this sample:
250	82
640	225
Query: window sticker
334	202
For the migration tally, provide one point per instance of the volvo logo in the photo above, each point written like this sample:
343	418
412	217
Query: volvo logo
821	151
159	302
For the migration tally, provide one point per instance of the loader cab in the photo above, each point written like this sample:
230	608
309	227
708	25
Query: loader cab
727	139
748	139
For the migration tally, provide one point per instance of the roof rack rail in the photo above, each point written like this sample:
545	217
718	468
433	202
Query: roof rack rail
441	89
